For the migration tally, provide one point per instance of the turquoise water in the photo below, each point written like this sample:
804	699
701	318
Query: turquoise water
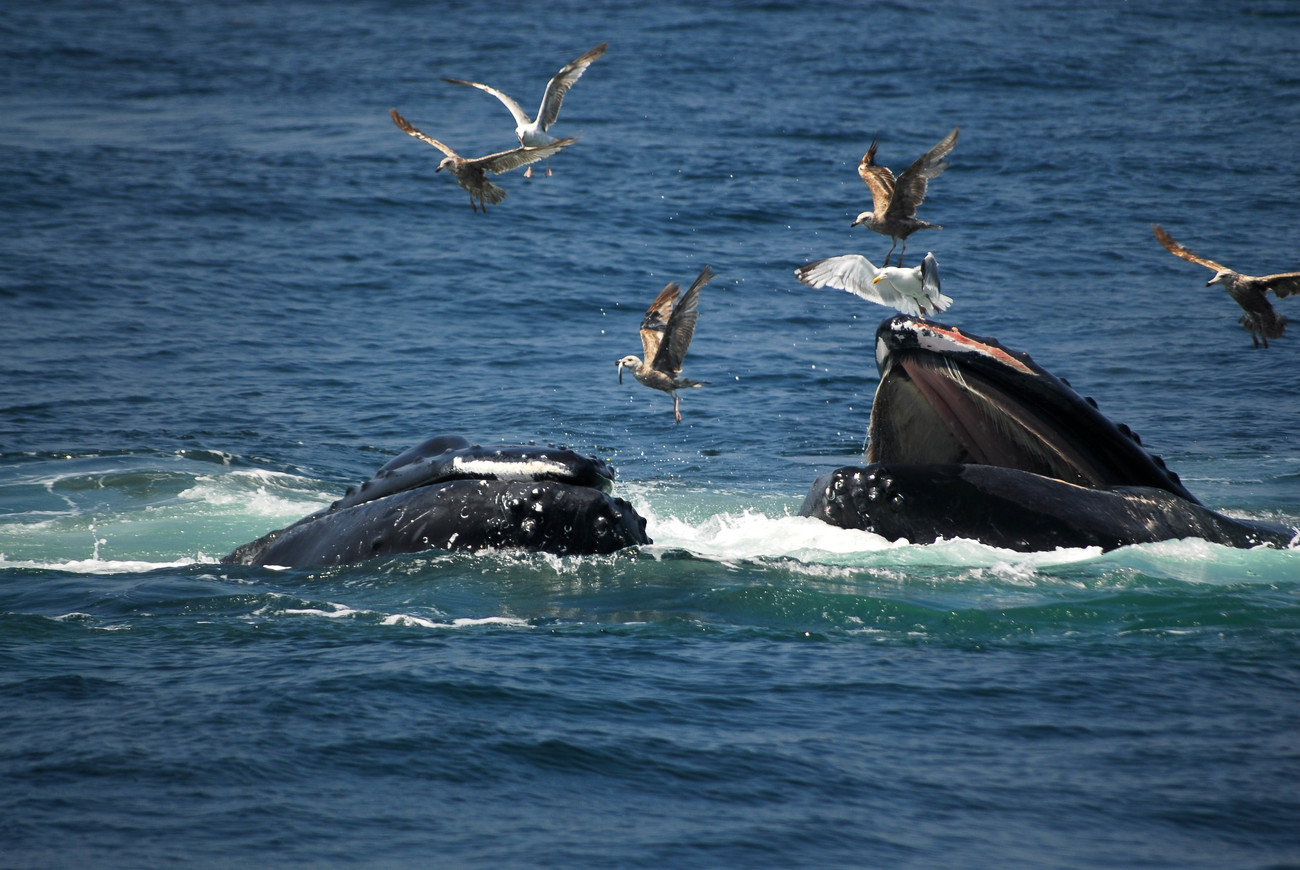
231	288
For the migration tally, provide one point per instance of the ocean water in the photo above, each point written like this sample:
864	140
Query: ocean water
230	288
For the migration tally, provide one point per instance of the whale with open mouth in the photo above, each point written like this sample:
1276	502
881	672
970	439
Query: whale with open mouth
971	440
449	494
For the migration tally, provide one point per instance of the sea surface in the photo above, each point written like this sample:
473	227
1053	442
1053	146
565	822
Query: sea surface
230	288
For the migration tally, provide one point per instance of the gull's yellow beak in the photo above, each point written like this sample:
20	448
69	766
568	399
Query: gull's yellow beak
876	279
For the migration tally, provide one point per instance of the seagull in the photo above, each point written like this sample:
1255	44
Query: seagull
1259	319
533	133
471	174
912	290
666	332
894	203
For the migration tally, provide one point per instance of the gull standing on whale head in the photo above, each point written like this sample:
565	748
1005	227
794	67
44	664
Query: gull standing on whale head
894	202
471	173
666	332
533	132
1259	319
913	291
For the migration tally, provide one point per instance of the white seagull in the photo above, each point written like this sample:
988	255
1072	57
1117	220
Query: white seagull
533	133
913	290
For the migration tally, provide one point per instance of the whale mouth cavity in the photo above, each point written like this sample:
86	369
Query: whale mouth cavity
946	397
935	411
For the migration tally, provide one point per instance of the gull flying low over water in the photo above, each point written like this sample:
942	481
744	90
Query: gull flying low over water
913	290
471	173
893	201
533	133
666	332
1248	291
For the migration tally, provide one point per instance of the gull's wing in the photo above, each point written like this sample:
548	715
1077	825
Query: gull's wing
930	284
854	273
521	117
930	274
656	321
681	327
504	161
912	185
560	83
851	272
406	127
879	180
1179	251
1283	285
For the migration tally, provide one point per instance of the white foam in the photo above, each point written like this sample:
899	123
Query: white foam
95	566
342	611
750	534
754	535
257	492
404	619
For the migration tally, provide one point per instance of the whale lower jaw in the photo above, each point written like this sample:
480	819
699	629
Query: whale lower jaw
1016	510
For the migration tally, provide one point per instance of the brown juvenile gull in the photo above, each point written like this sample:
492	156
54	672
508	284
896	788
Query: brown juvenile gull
533	133
666	332
912	291
471	174
1259	319
893	202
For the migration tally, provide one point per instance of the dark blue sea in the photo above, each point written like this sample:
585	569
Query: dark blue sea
230	287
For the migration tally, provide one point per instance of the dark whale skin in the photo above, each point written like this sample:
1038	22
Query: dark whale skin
1016	510
449	494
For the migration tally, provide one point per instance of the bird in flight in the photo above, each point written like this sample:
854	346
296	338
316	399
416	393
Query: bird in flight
533	133
471	173
1248	291
913	290
893	201
666	332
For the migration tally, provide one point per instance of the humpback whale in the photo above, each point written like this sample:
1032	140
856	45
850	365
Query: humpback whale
449	494
969	439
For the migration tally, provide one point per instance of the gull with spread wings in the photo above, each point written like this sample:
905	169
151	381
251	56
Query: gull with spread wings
913	291
893	201
471	173
1248	291
533	133
666	332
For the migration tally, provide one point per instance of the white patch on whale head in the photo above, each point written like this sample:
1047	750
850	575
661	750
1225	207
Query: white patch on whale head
530	470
